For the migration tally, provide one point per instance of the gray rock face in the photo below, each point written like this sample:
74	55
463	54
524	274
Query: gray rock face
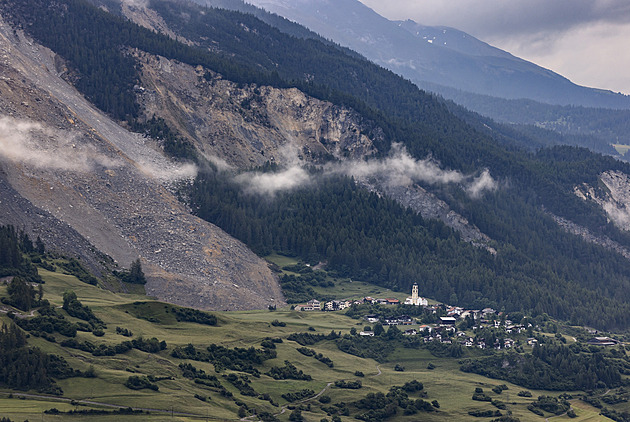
613	195
248	126
586	234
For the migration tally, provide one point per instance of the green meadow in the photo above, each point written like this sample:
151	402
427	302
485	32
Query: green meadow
179	398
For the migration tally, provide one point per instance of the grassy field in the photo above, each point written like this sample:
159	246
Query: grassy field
452	388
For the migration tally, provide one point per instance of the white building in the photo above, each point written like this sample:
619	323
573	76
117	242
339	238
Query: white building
415	299
336	305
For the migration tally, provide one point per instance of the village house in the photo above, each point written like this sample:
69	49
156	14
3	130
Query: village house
602	341
391	321
447	320
454	312
371	318
488	312
311	305
425	328
336	305
405	320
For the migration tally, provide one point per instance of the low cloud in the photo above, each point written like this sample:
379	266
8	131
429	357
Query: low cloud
268	184
35	145
219	163
398	169
481	184
293	175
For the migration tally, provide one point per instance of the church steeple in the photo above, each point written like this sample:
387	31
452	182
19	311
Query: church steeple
415	298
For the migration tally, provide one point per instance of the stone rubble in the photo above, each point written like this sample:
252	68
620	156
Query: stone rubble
122	206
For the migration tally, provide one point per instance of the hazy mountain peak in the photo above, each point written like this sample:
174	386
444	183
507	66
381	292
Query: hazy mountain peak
431	56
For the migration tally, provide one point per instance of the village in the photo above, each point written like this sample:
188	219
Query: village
466	327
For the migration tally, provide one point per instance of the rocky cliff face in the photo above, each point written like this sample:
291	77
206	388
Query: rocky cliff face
613	195
248	126
82	181
245	126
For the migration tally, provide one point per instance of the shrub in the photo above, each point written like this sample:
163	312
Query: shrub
324	399
413	386
135	382
352	385
298	395
484	413
124	332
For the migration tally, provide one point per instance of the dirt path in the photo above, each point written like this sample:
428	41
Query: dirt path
557	416
17	313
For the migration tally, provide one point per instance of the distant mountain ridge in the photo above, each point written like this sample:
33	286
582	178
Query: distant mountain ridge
438	55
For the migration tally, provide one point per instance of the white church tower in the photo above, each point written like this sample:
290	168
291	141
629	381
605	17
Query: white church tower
415	299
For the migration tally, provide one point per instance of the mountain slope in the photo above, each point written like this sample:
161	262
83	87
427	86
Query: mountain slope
231	90
69	160
520	169
470	72
437	55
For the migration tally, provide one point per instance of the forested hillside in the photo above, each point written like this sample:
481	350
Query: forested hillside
538	267
606	125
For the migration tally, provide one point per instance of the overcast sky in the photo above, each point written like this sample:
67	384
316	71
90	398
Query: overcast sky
588	41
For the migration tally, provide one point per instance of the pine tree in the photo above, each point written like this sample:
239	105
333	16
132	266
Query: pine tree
21	294
136	275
